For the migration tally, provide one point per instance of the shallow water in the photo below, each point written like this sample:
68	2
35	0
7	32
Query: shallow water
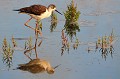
97	19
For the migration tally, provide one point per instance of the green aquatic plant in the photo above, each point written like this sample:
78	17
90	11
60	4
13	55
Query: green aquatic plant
53	21
7	53
71	16
105	43
39	26
71	29
53	17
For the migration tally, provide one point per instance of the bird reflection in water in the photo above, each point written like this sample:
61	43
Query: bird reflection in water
36	65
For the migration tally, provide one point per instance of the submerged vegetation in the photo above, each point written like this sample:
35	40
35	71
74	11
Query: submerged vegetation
71	24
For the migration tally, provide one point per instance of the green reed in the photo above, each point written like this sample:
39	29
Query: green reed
105	43
71	16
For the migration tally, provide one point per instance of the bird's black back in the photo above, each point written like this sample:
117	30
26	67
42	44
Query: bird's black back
34	9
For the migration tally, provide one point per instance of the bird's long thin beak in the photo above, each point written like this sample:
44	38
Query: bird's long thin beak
58	12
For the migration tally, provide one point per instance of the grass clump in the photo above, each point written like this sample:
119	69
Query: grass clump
7	53
71	16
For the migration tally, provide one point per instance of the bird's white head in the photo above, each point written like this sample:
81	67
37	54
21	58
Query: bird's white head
52	8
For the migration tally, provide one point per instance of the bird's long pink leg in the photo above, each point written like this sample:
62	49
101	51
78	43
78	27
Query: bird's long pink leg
26	24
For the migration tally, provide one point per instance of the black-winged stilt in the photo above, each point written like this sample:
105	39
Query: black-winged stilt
37	12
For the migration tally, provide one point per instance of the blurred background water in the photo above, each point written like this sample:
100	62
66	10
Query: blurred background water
97	19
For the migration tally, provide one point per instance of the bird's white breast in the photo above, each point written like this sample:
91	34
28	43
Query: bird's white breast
42	16
45	14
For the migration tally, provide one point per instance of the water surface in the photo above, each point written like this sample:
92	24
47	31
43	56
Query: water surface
97	19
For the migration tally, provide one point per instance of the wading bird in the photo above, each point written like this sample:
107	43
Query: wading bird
37	12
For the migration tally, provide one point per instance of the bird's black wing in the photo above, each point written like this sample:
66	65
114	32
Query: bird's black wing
34	9
37	9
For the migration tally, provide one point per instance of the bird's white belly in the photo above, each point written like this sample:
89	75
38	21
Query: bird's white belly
42	16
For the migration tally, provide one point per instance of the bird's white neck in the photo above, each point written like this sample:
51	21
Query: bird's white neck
50	10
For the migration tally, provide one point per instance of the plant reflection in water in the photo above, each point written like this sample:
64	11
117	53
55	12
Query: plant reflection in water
66	43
